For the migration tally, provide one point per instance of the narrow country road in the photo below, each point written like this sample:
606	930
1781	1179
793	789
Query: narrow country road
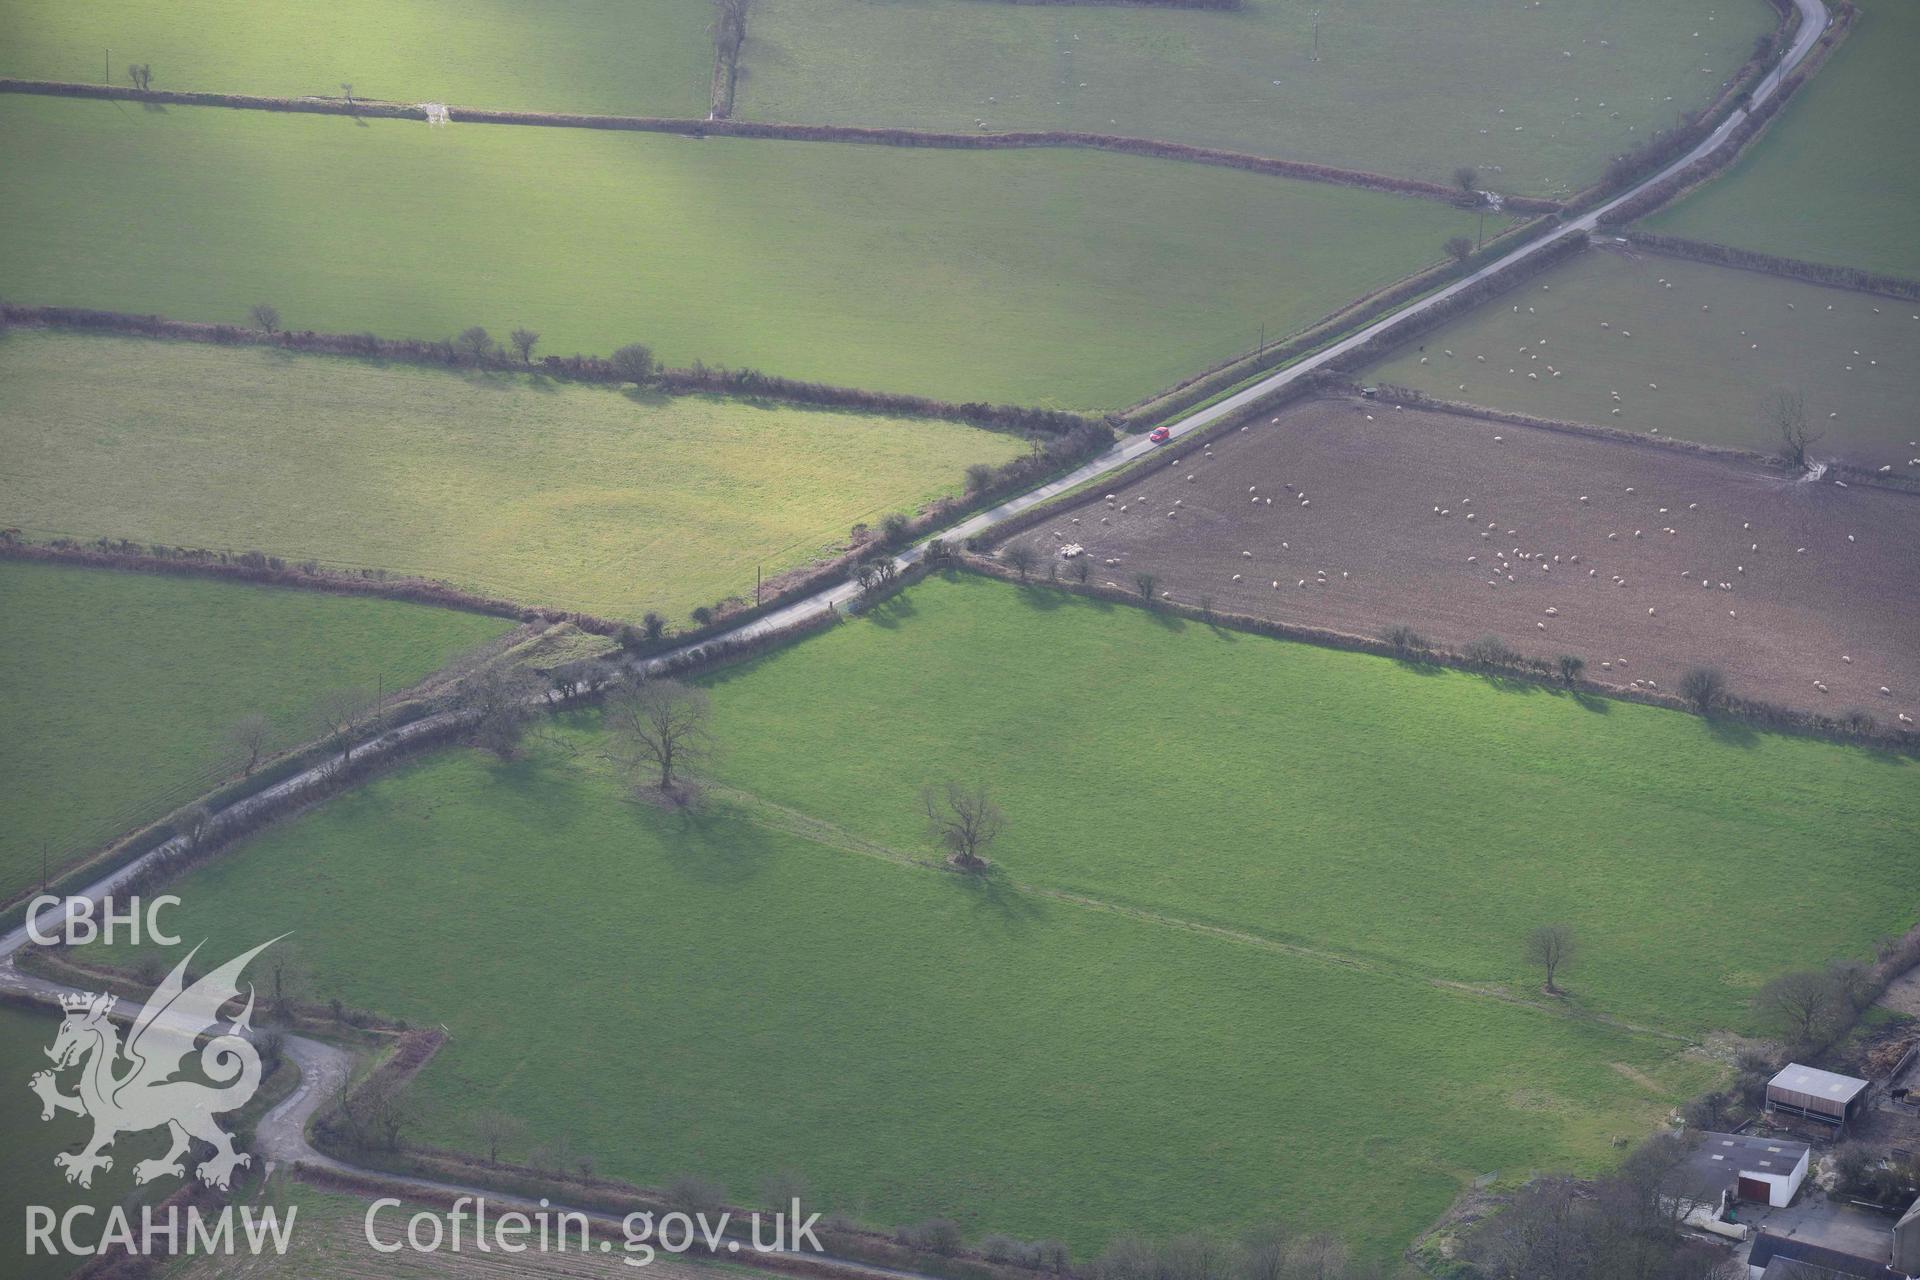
1814	19
282	1133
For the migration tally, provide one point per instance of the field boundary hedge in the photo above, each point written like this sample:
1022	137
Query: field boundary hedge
697	379
1229	373
1015	140
1058	456
1532	671
273	571
1744	134
245	806
1853	279
1665	146
1592	430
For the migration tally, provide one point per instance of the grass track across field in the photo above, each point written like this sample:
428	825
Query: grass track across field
726	998
1068	278
612	57
548	493
1712	368
117	689
1342	800
1836	179
1414	91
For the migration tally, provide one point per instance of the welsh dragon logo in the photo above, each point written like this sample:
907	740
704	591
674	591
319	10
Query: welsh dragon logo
131	1088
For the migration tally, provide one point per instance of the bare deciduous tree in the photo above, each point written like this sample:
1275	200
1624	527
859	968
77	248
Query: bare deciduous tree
1020	559
288	980
1802	1007
963	821
524	341
633	362
343	711
1465	177
389	1113
498	1129
1144	583
1704	688
1785	413
1550	946
265	317
248	737
475	343
501	697
877	575
1459	247
195	825
141	73
660	725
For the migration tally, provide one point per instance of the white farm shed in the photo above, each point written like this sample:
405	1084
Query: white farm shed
1724	1169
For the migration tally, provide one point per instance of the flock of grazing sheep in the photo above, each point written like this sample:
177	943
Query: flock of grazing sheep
1417	510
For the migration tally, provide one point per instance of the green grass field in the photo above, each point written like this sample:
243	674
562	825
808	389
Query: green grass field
1340	800
517	486
1252	946
608	57
728	998
1836	178
1538	97
28	1175
1067	278
1712	368
117	690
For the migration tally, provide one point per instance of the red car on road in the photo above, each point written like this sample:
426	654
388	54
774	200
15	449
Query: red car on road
1161	435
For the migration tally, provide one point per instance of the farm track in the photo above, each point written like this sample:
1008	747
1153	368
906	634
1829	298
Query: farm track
790	821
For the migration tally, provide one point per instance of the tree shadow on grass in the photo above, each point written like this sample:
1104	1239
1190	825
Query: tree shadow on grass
1593	702
996	897
1732	733
1041	596
1507	684
1416	667
651	397
710	843
892	611
1167	618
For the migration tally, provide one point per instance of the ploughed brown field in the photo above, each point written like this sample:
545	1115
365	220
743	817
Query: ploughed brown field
1557	543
